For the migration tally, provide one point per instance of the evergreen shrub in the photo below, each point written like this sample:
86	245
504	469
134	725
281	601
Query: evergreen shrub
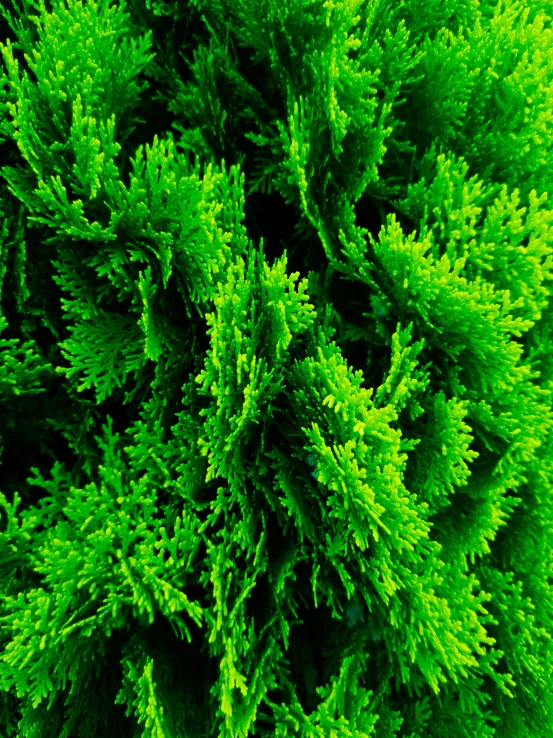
276	368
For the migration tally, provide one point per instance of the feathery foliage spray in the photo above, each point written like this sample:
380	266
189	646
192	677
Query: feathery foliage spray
276	374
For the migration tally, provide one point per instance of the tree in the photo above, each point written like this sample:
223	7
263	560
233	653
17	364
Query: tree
276	369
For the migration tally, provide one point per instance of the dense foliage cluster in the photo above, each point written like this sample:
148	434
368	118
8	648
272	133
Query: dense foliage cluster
276	368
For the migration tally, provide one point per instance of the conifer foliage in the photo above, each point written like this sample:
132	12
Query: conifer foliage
276	374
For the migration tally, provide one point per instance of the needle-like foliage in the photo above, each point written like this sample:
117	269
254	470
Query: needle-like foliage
276	374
